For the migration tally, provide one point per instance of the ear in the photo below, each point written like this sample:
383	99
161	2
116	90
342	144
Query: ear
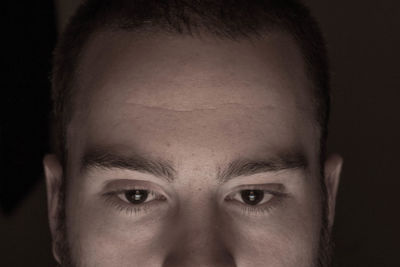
54	176
333	168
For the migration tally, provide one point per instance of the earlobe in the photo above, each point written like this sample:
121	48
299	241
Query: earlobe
333	168
54	175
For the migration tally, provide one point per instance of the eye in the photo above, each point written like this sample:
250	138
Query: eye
251	197
135	197
139	196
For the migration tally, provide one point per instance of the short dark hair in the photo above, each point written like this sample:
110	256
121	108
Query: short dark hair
226	19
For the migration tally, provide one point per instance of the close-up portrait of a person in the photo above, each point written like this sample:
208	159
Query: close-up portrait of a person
191	133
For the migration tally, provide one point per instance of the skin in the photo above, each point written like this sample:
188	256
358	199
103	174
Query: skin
196	105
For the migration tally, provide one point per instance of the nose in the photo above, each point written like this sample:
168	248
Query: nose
199	241
198	250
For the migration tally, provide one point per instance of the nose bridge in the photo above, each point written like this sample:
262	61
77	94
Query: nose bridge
199	240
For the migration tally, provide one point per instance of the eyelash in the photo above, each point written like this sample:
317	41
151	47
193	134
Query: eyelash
277	198
264	208
113	199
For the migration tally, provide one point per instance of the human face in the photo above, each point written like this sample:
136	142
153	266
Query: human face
191	152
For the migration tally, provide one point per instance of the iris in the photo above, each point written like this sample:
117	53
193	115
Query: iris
252	197
136	196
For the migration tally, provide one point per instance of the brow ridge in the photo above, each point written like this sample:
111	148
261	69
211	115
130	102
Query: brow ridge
247	167
104	159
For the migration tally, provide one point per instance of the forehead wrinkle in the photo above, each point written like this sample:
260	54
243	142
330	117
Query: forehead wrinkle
202	107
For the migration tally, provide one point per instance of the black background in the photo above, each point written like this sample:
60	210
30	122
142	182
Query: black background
363	40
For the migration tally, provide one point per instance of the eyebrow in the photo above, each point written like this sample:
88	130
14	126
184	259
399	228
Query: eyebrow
247	167
106	159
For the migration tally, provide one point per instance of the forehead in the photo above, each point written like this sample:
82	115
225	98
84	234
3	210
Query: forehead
160	91
212	71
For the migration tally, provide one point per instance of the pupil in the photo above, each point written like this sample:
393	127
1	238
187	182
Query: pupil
136	196
252	197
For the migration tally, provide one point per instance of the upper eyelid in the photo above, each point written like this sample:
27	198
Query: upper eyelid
275	186
127	184
271	188
150	192
265	191
116	192
122	191
119	191
274	194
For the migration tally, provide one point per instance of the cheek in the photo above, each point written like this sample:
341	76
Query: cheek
103	236
288	236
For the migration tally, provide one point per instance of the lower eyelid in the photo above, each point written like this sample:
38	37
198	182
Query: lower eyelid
122	206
